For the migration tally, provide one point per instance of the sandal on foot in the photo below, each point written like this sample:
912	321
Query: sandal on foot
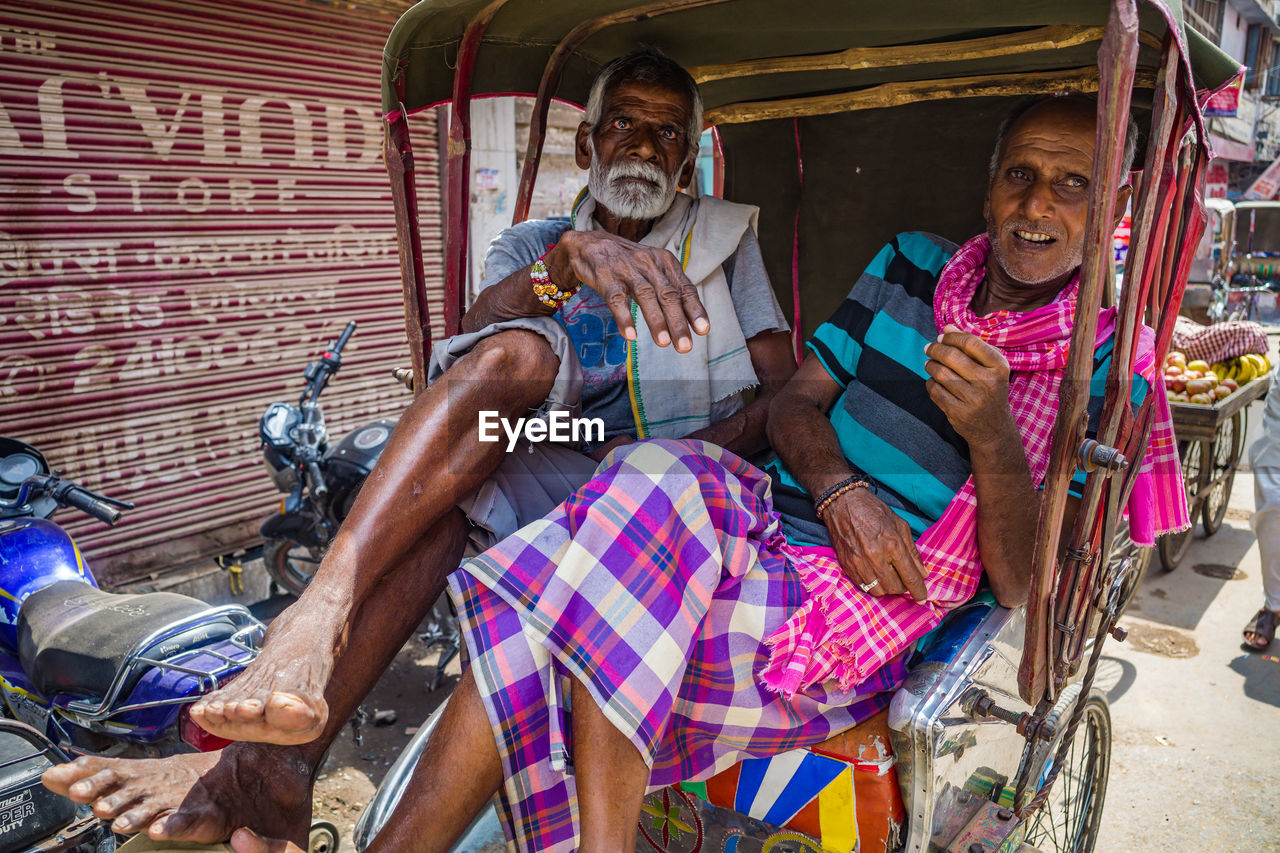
1262	627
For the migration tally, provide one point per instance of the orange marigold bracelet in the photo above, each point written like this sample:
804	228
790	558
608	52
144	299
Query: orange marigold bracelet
548	294
831	495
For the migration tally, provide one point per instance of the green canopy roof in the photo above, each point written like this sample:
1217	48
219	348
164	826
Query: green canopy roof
867	173
524	33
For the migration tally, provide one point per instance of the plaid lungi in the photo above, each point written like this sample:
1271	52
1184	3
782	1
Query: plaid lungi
655	585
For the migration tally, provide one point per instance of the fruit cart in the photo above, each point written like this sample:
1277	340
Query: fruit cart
1210	442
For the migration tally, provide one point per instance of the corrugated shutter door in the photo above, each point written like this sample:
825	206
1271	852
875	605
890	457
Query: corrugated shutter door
193	202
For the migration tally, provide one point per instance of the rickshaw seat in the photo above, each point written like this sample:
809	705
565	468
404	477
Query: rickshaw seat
866	749
941	644
843	788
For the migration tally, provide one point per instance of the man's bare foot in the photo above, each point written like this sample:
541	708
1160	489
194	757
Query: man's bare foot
201	797
279	698
247	841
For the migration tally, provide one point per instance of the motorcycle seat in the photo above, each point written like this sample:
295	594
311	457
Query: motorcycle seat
74	638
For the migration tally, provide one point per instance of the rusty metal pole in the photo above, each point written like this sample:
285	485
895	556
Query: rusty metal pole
457	222
1079	577
1196	219
1117	61
398	159
1087	593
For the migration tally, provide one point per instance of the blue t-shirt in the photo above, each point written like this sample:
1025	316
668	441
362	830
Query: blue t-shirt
586	318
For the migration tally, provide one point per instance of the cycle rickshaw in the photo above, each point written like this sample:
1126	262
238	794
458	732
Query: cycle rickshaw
847	123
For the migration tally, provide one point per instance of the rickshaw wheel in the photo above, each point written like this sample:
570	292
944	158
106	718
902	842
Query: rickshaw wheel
1228	442
1174	546
1122	546
1069	819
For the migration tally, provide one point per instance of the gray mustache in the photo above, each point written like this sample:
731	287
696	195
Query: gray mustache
644	171
1010	227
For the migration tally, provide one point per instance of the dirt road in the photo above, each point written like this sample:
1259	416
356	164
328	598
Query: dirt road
1196	759
352	772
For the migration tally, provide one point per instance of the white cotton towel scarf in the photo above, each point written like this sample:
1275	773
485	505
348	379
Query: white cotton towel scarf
672	393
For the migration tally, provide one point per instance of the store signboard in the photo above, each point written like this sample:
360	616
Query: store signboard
1267	184
1225	103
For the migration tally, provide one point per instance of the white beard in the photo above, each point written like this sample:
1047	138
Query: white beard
630	200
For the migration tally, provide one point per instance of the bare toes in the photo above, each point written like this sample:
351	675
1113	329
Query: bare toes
248	710
196	825
114	805
61	778
135	819
207	708
95	787
290	712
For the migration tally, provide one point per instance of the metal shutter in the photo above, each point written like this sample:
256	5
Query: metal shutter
192	202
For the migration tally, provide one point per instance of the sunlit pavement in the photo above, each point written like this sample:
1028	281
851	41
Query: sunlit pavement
1196	755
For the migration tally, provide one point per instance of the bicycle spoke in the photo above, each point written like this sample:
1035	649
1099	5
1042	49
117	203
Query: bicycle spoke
1068	820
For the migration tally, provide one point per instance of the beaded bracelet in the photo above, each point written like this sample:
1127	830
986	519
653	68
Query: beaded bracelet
830	496
548	294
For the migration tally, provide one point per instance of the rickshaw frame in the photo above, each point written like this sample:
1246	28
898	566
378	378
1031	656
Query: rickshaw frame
1072	605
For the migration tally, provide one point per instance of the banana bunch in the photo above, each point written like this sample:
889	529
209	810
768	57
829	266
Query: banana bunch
1243	368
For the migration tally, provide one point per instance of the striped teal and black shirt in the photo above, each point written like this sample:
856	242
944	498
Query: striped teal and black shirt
888	428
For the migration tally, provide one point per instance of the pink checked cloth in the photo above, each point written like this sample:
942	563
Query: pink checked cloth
1220	341
845	634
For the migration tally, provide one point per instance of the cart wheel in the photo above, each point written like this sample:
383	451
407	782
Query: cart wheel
323	837
1068	821
1174	546
1228	443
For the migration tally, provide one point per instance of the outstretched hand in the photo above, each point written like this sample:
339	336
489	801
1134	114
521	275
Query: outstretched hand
969	381
622	271
873	543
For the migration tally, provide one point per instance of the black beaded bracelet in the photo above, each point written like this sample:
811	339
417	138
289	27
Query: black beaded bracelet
843	485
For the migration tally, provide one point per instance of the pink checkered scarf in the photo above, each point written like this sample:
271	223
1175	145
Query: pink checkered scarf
845	634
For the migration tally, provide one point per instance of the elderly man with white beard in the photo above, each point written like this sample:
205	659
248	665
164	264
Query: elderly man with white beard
649	310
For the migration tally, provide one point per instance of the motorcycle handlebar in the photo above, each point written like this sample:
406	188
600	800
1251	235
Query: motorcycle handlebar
318	486
86	502
345	336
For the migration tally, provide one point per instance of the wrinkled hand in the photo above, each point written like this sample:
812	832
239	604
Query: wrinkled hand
874	543
622	271
969	381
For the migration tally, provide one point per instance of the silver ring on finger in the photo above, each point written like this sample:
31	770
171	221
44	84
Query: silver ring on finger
869	585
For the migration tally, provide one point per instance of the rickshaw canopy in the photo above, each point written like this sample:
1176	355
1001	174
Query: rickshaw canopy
847	123
807	84
524	33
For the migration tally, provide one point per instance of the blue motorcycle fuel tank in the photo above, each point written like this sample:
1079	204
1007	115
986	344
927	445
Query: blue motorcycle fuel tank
34	553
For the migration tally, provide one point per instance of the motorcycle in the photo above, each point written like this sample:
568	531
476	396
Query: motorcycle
33	819
100	672
320	480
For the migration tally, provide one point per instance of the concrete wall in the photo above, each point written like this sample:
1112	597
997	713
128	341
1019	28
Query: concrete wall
1234	30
